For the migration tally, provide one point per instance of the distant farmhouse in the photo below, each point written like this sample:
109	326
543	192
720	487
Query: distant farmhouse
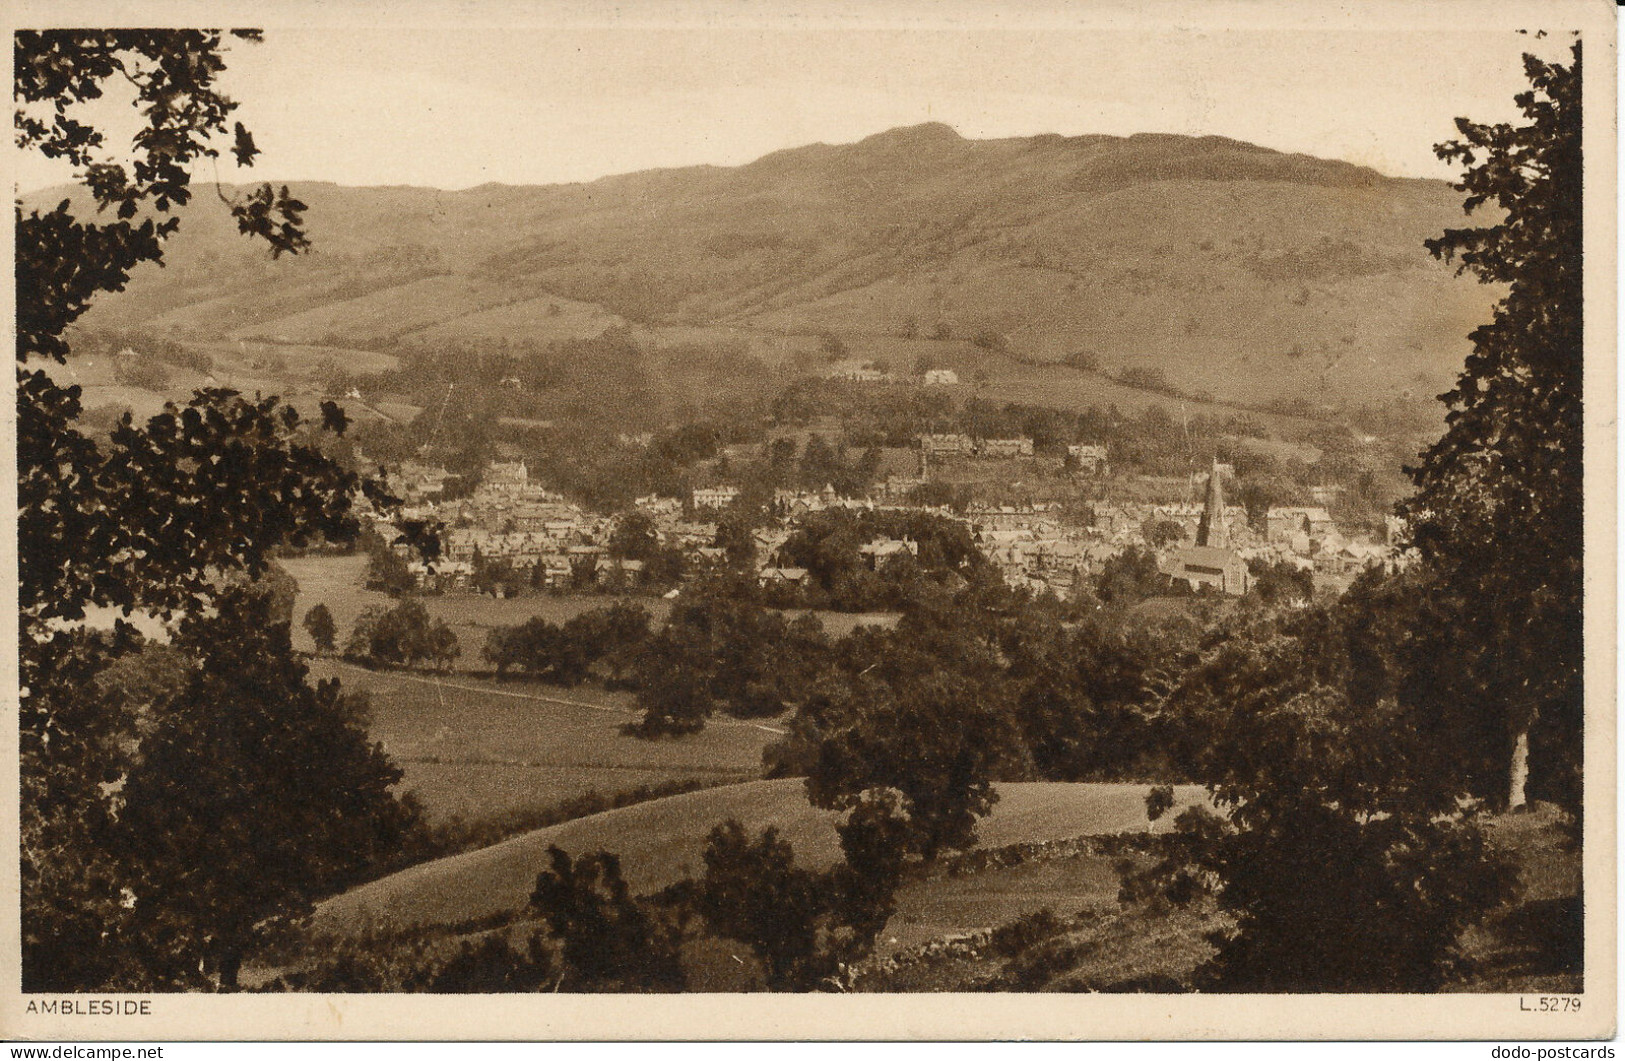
859	372
1091	459
716	496
941	377
1005	447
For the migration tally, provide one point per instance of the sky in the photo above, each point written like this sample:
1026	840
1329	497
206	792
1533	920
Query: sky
457	94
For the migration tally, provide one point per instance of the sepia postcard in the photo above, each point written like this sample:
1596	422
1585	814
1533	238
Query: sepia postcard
577	521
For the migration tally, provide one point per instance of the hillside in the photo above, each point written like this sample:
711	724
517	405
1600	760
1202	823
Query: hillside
1237	271
661	841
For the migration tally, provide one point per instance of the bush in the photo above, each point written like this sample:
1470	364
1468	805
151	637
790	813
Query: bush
323	631
1013	937
490	964
402	636
802	925
610	941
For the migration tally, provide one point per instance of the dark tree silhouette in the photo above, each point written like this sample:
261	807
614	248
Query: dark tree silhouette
254	794
321	627
1498	510
610	941
151	518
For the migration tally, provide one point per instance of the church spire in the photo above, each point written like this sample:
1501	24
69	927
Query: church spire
1212	529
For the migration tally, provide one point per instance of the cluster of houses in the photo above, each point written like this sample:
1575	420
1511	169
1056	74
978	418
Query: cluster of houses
551	542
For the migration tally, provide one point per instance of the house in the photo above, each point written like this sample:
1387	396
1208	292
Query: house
858	372
1089	458
1351	558
1006	447
943	446
716	496
781	576
506	478
615	571
708	554
557	571
941	377
883	551
461	543
1282	523
1001	517
655	505
416	482
1203	565
442	574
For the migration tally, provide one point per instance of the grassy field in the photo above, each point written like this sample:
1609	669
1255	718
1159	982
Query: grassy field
337	582
478	748
661	841
940	906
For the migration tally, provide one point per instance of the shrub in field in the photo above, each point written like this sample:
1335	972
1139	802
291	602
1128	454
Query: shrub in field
610	941
323	631
802	924
402	636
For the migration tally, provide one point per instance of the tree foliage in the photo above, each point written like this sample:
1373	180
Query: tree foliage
1345	866
611	942
321	627
1498	508
253	794
803	925
163	517
402	636
938	741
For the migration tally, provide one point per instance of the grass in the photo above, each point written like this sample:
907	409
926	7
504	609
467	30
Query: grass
928	909
940	938
477	748
390	311
661	841
337	581
1535	942
297	359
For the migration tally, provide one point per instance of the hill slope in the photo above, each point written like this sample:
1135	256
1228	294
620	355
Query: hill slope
1238	271
661	841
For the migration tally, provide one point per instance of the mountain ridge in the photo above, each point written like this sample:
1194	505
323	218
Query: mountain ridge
1232	269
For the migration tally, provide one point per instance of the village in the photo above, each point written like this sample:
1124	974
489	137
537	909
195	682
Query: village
541	540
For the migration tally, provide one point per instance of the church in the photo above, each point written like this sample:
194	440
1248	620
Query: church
1211	561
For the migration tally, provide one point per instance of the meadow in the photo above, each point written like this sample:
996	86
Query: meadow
477	748
337	581
661	841
474	748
